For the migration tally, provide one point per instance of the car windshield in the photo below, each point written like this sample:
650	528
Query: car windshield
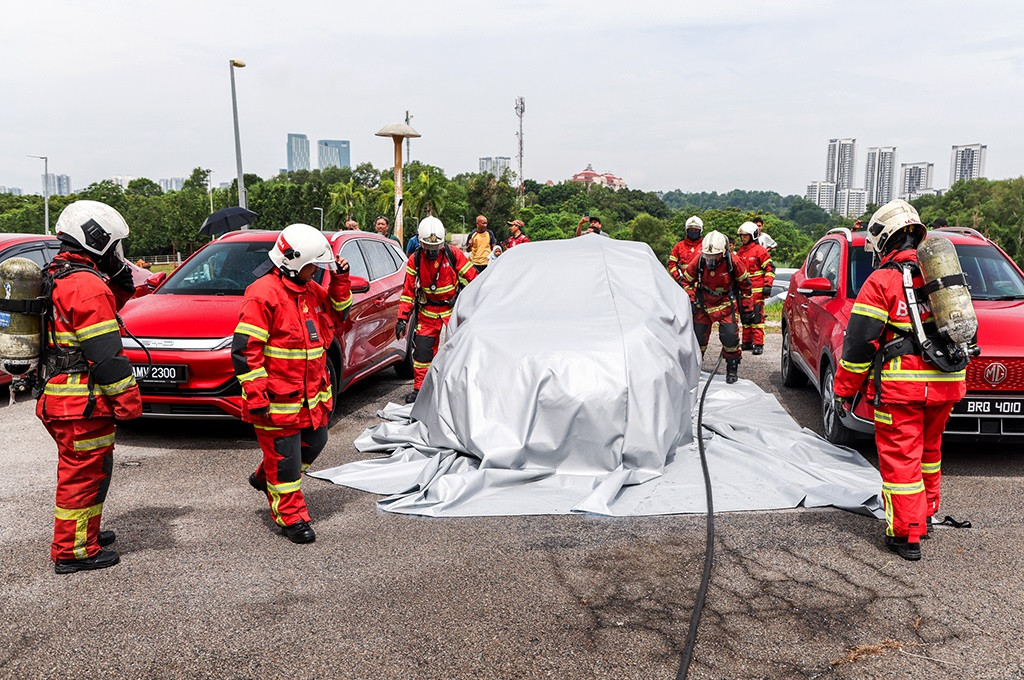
989	275
219	269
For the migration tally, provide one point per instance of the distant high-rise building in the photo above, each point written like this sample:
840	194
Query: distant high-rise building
122	180
842	154
172	183
967	162
298	152
57	185
333	153
915	180
851	202
880	175
13	191
822	194
496	165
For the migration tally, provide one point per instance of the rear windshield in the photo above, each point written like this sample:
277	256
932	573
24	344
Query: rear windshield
989	275
219	269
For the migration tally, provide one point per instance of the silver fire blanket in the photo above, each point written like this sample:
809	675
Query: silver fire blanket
568	384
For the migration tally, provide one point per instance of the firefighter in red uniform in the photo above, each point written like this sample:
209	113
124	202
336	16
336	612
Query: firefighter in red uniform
87	382
279	353
434	275
718	286
762	275
915	400
684	252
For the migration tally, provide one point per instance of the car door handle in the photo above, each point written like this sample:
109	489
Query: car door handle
379	302
804	306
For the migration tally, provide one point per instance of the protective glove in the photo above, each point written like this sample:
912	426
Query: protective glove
123	280
400	329
748	318
766	292
843	404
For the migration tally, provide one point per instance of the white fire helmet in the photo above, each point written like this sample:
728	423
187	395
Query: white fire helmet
92	226
695	223
893	218
431	233
299	245
750	229
714	246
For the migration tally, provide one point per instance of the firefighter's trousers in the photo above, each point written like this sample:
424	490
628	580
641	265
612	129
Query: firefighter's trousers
754	333
909	442
85	459
287	452
424	344
728	331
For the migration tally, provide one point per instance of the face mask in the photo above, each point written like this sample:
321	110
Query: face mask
693	234
432	254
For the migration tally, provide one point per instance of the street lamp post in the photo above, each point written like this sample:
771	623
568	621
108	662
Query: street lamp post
46	192
233	64
321	211
209	185
398	132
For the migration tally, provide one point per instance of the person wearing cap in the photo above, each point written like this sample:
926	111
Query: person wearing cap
480	244
517	237
594	225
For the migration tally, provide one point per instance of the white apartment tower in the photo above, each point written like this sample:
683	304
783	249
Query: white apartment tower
842	154
851	202
880	174
916	179
822	194
967	162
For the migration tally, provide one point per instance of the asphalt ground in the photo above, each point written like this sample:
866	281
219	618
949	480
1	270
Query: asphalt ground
207	587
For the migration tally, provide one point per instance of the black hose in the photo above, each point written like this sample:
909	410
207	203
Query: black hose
709	552
149	357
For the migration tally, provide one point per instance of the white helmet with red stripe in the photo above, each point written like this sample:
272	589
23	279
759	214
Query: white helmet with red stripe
299	245
893	218
750	229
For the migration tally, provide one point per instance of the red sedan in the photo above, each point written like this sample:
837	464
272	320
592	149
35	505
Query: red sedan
817	310
188	321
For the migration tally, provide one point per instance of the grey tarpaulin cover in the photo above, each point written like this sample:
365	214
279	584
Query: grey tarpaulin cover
568	383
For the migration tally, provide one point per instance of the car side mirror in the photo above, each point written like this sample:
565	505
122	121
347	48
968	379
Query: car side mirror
816	287
155	280
359	284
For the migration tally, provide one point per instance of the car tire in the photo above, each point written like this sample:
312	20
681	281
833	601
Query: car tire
831	424
403	369
792	376
334	374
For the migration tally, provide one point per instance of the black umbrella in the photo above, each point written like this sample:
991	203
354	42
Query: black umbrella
228	219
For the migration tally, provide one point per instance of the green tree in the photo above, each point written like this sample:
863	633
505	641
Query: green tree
141	186
106	191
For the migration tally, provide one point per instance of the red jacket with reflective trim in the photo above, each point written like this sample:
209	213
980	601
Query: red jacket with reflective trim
681	256
438	283
84	311
881	307
280	349
716	284
759	265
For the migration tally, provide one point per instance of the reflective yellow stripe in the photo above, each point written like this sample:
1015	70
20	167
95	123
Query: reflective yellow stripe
293	353
903	489
465	268
855	368
883	417
926	375
902	325
252	375
343	304
718	308
81	519
305	466
673	258
442	289
68	339
254	331
94	443
887	504
265	427
406	298
409	270
320	397
118	387
868	310
285	487
97	329
285	408
931	468
436	315
743	276
73	390
421	364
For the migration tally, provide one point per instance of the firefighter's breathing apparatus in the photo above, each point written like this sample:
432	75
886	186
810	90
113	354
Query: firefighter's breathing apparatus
28	345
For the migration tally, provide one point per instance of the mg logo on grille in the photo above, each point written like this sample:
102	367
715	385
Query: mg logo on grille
995	373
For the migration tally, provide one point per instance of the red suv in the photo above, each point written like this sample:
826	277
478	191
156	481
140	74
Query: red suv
817	309
187	323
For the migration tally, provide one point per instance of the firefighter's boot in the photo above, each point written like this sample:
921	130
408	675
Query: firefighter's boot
732	366
903	548
747	346
101	560
758	350
300	532
411	397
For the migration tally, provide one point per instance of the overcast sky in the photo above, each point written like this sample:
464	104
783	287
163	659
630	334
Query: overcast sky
708	95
